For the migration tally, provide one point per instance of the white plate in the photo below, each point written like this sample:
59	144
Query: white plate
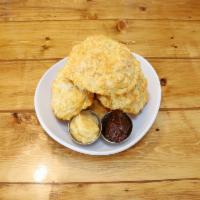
58	130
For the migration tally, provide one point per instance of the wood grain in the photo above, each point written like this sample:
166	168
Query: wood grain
44	40
93	9
164	165
183	190
169	151
180	79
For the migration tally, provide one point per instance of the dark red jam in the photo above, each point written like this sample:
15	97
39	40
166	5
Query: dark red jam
116	126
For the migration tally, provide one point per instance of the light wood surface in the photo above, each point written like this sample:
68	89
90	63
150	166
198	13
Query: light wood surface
169	151
154	38
187	189
178	91
24	10
164	165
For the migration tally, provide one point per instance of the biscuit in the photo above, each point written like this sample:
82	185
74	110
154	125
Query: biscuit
98	108
131	102
67	99
103	66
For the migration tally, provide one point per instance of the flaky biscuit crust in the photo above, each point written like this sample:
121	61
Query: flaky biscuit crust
103	66
132	101
98	108
67	99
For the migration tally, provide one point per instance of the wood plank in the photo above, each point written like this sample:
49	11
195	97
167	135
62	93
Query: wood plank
175	190
169	151
180	80
92	9
177	75
43	40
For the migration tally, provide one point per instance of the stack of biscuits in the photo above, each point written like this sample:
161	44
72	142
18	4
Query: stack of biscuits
102	69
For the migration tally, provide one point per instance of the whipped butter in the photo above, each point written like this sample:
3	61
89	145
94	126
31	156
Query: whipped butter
84	127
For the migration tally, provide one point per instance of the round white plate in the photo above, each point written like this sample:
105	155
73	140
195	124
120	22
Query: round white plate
58	129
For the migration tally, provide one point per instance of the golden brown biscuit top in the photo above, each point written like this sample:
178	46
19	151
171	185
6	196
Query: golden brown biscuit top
102	65
67	99
132	101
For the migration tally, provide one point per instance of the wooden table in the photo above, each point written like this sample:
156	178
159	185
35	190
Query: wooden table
164	165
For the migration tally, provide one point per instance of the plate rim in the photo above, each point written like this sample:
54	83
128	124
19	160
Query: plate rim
92	152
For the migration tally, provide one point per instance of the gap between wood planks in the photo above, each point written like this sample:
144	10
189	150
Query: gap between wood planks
102	182
161	110
57	59
107	19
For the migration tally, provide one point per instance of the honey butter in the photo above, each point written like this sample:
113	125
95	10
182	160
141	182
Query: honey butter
84	128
